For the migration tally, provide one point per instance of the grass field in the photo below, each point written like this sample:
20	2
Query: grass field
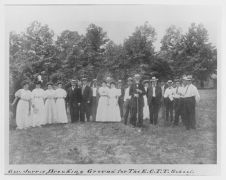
115	143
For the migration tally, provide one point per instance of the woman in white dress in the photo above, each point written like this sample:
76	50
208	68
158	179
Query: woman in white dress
146	114
50	104
23	109
113	108
60	95
38	109
103	103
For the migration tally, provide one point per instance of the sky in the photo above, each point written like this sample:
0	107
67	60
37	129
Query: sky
119	21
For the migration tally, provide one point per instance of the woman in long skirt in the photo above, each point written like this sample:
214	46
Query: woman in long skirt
103	103
146	113
60	95
38	110
23	109
113	108
50	105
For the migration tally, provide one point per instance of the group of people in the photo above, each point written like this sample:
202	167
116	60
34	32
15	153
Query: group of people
39	107
109	102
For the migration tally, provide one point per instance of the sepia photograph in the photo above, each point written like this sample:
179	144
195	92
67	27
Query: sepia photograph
112	84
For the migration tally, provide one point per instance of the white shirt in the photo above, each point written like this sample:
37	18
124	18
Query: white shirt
153	89
94	91
169	93
190	91
163	89
127	96
177	92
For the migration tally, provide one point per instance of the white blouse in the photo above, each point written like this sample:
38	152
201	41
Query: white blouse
24	94
60	93
38	93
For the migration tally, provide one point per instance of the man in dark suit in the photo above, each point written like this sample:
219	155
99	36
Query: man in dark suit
121	97
137	102
86	101
154	96
73	100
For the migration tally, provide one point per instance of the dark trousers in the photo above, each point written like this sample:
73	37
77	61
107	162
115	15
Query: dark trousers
182	110
85	111
120	103
94	107
178	110
74	112
189	112
154	110
169	109
126	110
136	108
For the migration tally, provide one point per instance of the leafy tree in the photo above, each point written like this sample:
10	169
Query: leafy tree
139	48
190	53
95	44
32	53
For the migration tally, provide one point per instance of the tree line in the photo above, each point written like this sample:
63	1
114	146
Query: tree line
73	55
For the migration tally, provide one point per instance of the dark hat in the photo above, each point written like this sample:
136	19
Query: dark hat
59	82
112	82
49	83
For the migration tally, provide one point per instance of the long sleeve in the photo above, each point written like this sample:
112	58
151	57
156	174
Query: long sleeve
67	96
79	95
90	94
131	91
166	94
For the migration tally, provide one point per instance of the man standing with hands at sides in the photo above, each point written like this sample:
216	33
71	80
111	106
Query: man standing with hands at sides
137	102
127	101
154	95
121	97
168	99
94	102
73	100
163	108
191	98
86	101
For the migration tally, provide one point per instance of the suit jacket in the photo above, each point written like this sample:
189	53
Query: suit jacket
74	96
87	94
133	91
121	98
158	94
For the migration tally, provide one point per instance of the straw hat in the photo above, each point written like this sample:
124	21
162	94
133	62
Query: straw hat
153	79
